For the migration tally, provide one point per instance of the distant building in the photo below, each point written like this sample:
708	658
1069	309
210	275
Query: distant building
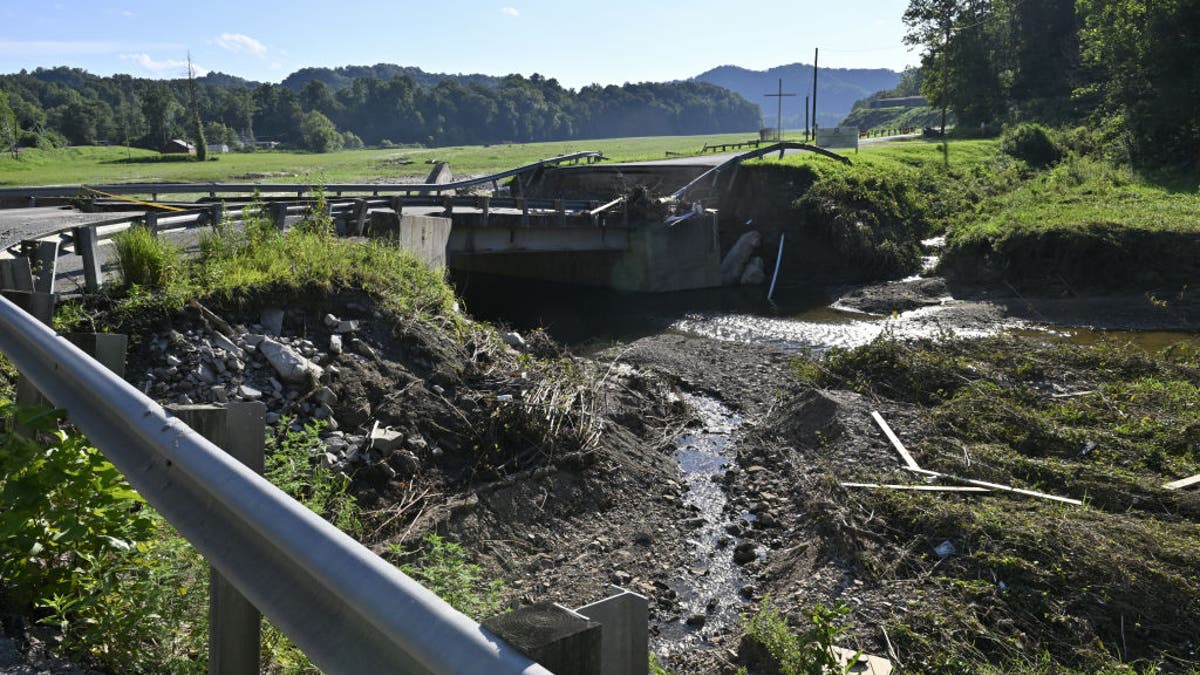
177	146
902	102
217	148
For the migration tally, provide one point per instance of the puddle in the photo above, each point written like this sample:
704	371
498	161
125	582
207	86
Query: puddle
710	584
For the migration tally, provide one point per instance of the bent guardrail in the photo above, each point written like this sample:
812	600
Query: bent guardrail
346	608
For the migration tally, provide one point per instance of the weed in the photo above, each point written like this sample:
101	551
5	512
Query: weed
145	260
809	652
293	466
445	569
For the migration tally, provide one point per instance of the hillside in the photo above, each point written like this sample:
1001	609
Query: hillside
837	89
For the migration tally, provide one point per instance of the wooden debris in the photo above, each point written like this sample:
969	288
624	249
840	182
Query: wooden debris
1183	482
908	459
916	488
858	662
997	486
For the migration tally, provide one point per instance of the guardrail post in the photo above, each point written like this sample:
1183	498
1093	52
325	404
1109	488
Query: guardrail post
151	221
448	206
16	274
521	204
86	248
41	307
557	638
234	624
485	205
562	212
594	217
624	638
397	204
107	348
279	215
216	212
360	217
44	262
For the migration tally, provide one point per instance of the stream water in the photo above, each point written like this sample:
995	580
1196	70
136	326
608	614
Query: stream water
588	320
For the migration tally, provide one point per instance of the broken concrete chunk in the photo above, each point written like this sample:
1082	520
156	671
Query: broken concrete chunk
735	260
386	441
249	393
754	274
325	396
228	345
291	366
343	327
330	321
335	344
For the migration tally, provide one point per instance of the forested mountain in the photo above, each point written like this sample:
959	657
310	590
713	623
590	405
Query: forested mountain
1126	68
837	89
349	106
342	77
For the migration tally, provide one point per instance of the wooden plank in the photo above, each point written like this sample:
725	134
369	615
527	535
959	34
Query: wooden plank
908	459
1182	483
997	486
916	488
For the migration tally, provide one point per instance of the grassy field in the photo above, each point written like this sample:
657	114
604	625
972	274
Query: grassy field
109	164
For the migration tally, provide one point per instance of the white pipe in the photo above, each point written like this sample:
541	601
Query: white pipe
775	277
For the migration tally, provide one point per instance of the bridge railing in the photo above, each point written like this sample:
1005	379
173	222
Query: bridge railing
346	608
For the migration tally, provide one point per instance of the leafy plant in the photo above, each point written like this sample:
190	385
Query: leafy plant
292	466
809	652
445	569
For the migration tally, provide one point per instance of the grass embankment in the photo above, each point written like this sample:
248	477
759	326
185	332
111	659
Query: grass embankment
82	553
870	216
109	164
1034	586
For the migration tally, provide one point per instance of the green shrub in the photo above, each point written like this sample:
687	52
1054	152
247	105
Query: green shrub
1034	144
145	260
767	637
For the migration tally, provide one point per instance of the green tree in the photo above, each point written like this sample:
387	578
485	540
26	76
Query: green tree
9	130
318	134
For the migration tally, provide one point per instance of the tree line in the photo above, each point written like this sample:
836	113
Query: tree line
1127	68
69	105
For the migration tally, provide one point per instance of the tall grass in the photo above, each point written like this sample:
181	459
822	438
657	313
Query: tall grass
145	260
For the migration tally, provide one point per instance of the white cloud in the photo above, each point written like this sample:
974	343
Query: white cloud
126	12
167	68
241	44
511	11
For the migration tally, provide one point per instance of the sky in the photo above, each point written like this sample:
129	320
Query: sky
578	42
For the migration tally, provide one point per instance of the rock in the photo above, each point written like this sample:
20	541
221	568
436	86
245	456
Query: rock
335	344
438	389
343	327
252	340
205	374
364	349
220	395
754	274
174	361
735	260
330	460
642	538
416	443
272	418
744	553
322	412
513	339
330	320
228	345
290	365
272	320
325	396
696	620
386	440
407	462
388	470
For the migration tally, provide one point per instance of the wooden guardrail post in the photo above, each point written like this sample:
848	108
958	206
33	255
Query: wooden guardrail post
86	248
234	631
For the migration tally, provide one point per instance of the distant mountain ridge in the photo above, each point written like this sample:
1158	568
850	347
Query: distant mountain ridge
837	89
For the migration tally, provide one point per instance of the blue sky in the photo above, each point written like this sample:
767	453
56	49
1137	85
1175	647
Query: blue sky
578	42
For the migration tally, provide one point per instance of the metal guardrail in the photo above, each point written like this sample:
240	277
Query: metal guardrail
715	172
346	608
286	188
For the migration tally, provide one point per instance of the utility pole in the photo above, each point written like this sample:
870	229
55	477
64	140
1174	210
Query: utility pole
806	119
816	53
779	114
